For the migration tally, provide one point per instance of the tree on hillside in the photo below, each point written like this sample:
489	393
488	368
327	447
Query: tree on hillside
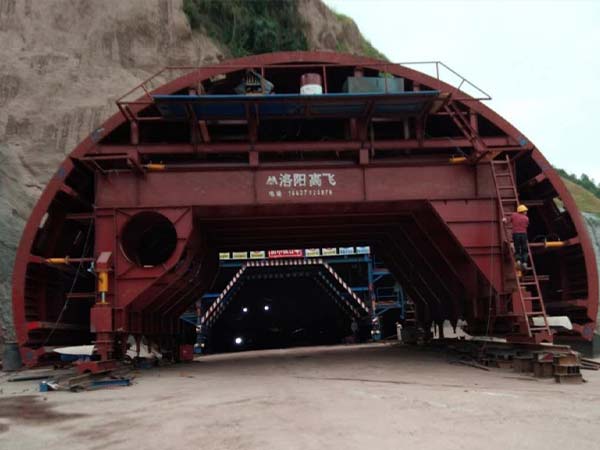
584	181
250	27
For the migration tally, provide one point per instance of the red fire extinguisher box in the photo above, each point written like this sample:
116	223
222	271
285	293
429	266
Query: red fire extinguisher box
186	352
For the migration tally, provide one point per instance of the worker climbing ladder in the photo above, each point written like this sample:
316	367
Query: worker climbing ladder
530	304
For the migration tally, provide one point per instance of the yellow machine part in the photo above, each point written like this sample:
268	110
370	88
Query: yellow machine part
64	260
458	159
155	166
102	281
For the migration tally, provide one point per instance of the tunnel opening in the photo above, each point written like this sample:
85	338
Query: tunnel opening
279	313
424	255
418	260
277	303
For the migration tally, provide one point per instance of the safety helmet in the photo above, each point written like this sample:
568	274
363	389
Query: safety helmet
521	208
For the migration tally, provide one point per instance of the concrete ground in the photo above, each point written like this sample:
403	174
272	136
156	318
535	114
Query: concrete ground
354	397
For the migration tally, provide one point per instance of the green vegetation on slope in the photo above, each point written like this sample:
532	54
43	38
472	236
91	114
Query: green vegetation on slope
584	190
367	47
584	181
586	201
249	27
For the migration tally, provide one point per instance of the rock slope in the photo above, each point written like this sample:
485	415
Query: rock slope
62	65
592	222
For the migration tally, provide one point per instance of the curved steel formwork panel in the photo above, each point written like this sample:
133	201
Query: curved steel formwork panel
202	164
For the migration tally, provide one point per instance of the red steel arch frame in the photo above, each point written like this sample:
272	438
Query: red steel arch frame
26	254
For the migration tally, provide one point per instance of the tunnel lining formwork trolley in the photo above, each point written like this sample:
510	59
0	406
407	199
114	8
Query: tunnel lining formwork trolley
126	235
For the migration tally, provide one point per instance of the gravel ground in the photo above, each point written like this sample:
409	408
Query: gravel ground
352	397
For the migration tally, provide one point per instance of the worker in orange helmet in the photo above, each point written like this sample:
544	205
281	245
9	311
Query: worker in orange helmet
520	222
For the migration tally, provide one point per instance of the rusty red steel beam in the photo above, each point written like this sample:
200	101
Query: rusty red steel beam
250	187
314	146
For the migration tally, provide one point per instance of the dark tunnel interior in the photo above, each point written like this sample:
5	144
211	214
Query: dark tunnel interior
279	313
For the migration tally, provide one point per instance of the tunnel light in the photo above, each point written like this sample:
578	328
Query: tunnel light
245	309
267	307
238	341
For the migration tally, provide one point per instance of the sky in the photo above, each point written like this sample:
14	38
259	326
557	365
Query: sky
539	61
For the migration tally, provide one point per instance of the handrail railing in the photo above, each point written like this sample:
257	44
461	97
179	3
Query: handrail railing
170	73
440	67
